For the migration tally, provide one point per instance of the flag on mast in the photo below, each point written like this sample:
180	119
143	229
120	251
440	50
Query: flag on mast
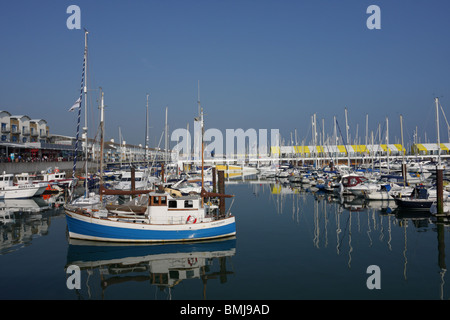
76	105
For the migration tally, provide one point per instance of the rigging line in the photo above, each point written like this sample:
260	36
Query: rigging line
345	142
79	113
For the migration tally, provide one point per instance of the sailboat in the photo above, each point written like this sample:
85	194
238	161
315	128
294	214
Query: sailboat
93	199
155	216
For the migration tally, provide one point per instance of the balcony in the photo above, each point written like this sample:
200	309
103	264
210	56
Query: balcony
6	129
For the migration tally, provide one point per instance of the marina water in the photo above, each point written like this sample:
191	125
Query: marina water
291	244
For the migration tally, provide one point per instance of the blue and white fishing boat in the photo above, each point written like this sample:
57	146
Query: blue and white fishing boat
163	218
157	216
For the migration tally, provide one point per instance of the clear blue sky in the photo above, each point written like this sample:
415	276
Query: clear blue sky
260	63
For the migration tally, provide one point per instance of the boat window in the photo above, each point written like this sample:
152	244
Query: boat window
188	204
163	200
172	204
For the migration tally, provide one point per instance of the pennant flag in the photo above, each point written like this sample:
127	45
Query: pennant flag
76	105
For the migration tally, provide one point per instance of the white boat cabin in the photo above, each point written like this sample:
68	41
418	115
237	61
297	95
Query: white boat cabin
6	180
24	178
165	209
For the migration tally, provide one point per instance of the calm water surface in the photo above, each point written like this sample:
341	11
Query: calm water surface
290	244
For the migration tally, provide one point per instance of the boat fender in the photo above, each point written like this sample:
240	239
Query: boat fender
191	219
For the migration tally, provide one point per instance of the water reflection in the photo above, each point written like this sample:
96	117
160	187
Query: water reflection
23	219
351	225
163	266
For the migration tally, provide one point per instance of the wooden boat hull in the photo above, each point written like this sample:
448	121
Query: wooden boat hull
82	226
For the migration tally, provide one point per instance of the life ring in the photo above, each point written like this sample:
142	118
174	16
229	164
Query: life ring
56	170
192	261
191	219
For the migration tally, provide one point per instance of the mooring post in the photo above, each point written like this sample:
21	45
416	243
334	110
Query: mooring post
214	179
133	179
221	175
440	189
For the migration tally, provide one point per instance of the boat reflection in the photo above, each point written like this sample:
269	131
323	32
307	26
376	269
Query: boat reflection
164	266
23	219
335	221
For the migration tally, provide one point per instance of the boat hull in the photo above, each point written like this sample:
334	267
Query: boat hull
413	203
90	228
20	192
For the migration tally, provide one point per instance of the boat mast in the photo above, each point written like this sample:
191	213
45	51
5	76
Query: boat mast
86	195
346	129
166	154
436	100
102	128
387	143
146	133
403	153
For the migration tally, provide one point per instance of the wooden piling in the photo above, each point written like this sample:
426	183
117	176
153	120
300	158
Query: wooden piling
440	189
133	179
221	176
214	179
404	174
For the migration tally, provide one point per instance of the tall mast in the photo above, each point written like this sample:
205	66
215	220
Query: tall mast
166	140
404	171
436	100
146	144
102	129
347	142
387	143
198	98
85	129
201	123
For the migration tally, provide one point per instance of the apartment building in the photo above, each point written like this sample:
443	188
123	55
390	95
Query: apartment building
22	129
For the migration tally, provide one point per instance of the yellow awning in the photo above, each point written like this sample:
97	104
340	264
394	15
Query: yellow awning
319	149
301	149
275	150
443	147
420	147
342	149
400	147
360	148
